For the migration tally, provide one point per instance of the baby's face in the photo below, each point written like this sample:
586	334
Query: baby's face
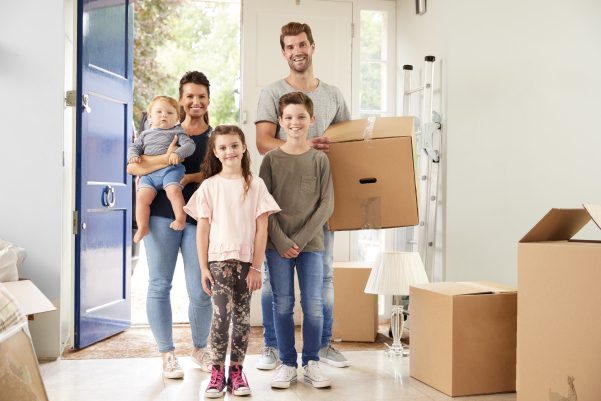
163	115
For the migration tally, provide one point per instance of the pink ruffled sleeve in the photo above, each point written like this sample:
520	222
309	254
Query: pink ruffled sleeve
265	202
199	205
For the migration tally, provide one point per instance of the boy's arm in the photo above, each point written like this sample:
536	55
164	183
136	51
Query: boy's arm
149	164
186	145
324	209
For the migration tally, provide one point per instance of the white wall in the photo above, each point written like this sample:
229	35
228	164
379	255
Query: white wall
31	107
521	96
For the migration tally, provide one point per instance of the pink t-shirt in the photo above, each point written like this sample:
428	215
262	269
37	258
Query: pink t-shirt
232	217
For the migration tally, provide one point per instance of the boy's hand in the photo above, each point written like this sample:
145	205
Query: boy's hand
253	280
174	158
207	281
173	145
291	252
135	159
320	143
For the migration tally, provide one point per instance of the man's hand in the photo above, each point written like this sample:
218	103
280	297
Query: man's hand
320	143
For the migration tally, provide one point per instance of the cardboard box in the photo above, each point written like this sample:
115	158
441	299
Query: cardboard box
463	337
559	309
355	312
28	297
374	179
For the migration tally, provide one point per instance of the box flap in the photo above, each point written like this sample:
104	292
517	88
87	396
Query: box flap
595	212
465	288
380	127
558	225
29	297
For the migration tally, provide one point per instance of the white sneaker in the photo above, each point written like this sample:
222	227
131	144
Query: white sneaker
315	376
286	375
202	357
269	359
171	368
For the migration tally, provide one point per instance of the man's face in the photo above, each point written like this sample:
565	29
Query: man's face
298	52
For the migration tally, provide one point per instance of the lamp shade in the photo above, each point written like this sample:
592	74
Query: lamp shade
394	272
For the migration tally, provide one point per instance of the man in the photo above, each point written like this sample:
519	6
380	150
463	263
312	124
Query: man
298	47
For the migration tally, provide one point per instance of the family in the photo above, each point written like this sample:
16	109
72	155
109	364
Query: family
198	196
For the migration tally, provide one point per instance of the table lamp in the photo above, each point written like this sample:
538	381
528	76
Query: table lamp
392	274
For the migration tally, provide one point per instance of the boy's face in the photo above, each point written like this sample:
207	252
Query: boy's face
298	52
163	115
296	121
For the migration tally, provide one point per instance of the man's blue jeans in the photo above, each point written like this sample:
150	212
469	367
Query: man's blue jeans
162	246
309	268
327	297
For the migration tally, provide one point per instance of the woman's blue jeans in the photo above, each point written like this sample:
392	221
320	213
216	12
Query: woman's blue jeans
162	246
309	268
327	296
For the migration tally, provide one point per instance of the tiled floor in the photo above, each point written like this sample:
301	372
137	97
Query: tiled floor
371	377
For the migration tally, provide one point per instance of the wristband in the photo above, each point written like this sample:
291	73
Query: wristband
255	269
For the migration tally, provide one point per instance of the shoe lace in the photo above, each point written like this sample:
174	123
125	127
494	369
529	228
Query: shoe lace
217	377
238	378
314	371
266	351
283	372
172	363
333	350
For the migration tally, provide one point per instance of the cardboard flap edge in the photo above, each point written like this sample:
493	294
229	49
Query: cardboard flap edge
558	225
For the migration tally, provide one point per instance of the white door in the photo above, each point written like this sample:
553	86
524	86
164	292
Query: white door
262	63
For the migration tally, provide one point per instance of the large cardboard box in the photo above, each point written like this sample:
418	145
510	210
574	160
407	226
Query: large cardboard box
463	337
372	164
355	312
559	309
29	298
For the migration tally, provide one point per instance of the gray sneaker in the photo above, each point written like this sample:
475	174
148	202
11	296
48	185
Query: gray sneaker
332	356
269	359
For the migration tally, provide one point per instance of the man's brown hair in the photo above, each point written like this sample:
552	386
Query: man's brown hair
293	29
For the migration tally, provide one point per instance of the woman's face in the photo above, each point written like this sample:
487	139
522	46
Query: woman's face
195	100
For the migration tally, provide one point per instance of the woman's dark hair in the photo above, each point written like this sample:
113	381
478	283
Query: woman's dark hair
211	165
198	78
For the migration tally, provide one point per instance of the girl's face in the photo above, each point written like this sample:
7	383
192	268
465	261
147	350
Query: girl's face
296	121
195	100
229	149
163	115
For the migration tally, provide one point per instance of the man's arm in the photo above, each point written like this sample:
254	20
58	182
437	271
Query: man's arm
266	139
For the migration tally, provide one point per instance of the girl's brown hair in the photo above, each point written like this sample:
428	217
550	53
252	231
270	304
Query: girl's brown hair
211	165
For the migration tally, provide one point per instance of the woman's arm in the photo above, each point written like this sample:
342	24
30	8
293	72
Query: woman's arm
149	164
188	178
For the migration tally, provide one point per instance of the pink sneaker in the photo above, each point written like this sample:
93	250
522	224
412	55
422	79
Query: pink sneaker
216	387
236	381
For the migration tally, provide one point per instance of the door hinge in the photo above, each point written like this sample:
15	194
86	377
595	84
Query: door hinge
75	222
70	98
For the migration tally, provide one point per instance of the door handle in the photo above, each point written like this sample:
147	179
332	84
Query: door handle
85	102
108	196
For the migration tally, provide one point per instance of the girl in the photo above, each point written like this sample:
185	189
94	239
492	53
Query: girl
232	208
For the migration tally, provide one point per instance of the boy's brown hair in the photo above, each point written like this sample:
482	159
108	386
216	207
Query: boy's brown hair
167	99
295	98
293	29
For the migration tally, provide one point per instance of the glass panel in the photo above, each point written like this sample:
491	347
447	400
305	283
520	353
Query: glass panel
369	244
105	39
372	35
371	86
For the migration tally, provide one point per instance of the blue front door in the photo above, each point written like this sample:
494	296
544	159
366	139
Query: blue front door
103	193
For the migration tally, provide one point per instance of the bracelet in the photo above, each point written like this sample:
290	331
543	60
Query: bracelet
255	269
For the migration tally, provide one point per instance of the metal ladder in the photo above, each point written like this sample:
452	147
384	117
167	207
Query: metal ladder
428	134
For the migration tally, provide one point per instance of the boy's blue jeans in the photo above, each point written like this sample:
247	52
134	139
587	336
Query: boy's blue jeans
309	267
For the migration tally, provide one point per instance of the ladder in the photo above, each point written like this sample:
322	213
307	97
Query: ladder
428	134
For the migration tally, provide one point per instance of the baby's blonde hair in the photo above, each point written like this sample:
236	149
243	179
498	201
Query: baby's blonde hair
166	99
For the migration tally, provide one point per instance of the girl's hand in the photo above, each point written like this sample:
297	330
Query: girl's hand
253	280
291	253
207	281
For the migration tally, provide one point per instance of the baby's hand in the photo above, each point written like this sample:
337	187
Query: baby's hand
135	159
174	158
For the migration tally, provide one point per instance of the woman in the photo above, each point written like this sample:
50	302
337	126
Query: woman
163	243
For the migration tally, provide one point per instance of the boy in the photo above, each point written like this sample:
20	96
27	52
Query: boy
163	113
298	177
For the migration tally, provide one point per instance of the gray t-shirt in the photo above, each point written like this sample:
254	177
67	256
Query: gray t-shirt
328	106
302	187
156	141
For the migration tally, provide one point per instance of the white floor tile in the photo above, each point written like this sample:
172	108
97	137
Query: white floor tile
371	377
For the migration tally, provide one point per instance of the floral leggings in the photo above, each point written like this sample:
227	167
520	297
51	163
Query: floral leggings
231	301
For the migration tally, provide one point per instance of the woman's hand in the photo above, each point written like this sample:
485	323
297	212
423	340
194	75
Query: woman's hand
254	279
174	158
207	281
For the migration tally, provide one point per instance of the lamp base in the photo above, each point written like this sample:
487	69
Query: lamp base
395	352
396	349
